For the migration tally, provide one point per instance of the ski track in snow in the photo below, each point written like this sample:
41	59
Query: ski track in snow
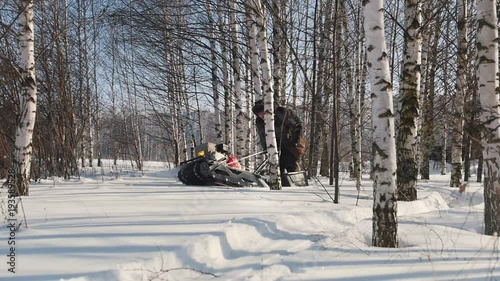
151	227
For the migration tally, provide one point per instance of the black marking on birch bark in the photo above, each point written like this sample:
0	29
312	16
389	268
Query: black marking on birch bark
380	151
387	113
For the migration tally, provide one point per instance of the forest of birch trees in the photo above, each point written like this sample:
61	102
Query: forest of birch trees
393	88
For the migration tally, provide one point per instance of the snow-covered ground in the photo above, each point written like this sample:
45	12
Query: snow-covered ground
132	226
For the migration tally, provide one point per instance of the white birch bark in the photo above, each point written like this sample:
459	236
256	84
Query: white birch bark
28	98
354	98
423	145
426	120
90	131
250	146
283	53
253	62
384	147
175	128
322	90
137	142
445	122
250	133
96	126
254	52
443	149
135	119
277	50
240	115
409	111
487	71
267	83
134	114
426	141
88	92
458	116
213	69
361	88
228	101
80	77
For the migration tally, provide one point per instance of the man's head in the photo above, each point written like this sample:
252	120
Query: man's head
258	108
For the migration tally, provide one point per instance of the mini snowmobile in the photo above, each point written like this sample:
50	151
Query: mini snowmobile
214	166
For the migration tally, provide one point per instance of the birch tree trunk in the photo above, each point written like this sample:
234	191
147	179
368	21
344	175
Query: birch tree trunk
318	110
213	70
80	80
334	83
487	71
445	122
240	116
355	103
68	133
385	204
362	89
428	93
198	112
325	89
228	101
407	172
28	98
480	168
443	148
135	120
254	52
267	83
423	150
96	95
114	144
279	50
458	118
254	75
89	152
428	120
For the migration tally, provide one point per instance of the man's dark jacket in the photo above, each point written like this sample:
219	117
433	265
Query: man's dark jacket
288	130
